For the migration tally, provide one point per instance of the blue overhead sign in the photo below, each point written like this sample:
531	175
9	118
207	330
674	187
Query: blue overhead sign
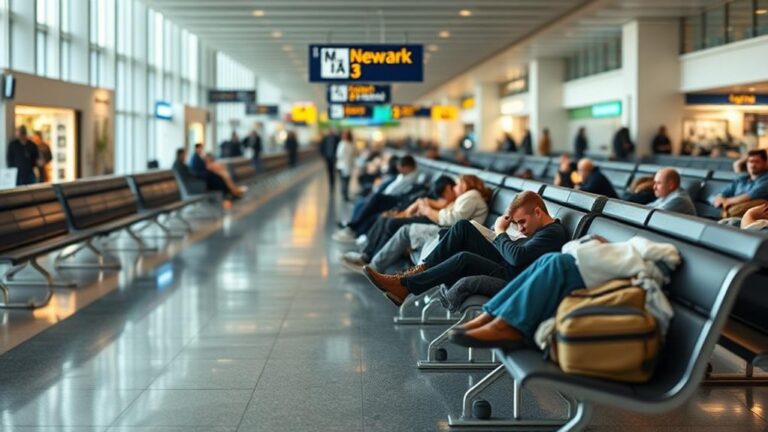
372	63
726	99
359	93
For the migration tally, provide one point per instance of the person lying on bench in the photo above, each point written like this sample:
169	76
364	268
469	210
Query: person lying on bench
380	202
756	219
465	251
747	191
510	319
471	203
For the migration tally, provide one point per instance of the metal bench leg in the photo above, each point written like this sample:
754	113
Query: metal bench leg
469	421
133	234
10	278
179	217
580	419
747	379
415	310
103	260
167	232
31	304
433	363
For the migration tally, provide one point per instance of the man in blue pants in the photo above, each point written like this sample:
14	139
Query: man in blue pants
513	315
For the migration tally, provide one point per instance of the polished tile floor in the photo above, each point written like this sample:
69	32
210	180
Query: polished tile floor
256	327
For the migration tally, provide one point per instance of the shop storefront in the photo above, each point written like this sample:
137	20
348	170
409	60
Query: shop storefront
75	122
724	124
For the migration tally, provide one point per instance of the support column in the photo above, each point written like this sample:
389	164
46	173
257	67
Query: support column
545	93
651	65
487	128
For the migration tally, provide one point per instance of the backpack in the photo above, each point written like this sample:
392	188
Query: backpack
605	332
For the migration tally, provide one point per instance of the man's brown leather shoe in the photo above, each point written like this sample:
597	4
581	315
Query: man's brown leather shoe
495	334
477	321
389	285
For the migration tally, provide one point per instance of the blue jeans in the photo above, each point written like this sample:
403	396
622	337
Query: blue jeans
533	296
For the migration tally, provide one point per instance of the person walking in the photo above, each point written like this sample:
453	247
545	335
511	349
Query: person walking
328	147
345	162
292	147
580	145
23	155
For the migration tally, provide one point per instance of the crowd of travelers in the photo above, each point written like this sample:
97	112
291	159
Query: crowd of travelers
408	237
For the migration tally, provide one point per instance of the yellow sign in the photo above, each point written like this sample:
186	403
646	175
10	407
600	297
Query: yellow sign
467	103
403	111
742	99
303	113
445	112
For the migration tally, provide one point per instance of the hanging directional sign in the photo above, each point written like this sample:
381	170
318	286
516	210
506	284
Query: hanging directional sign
342	111
372	63
255	109
359	93
219	96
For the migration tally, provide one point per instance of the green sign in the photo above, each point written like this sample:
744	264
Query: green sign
608	109
601	110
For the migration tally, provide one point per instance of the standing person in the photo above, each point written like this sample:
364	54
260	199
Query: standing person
661	143
345	161
328	147
22	154
45	156
623	147
580	145
253	140
292	147
527	143
545	143
508	143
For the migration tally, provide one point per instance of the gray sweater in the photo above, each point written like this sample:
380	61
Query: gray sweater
678	201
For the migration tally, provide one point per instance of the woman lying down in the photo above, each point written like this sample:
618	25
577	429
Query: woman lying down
512	316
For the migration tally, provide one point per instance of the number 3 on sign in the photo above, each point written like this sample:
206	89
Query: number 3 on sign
356	72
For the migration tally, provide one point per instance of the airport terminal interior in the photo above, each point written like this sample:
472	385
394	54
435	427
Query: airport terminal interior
383	215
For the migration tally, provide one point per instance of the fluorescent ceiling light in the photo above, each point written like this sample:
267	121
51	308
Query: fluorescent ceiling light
277	34
258	13
432	47
444	34
465	13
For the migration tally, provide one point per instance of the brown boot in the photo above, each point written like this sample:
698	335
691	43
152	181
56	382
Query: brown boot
477	321
391	286
420	268
495	334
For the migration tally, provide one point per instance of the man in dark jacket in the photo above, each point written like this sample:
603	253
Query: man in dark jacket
253	140
592	180
23	154
328	147
465	251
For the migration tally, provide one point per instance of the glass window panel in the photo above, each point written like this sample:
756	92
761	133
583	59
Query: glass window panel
41	51
66	51
761	17
715	27
739	20
692	33
94	73
66	16
42	9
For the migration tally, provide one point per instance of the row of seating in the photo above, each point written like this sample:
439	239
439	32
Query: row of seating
721	280
40	219
700	180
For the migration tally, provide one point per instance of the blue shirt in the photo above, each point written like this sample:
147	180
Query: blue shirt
756	189
197	164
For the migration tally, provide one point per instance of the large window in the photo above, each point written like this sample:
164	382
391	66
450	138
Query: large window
125	46
597	58
231	117
728	22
